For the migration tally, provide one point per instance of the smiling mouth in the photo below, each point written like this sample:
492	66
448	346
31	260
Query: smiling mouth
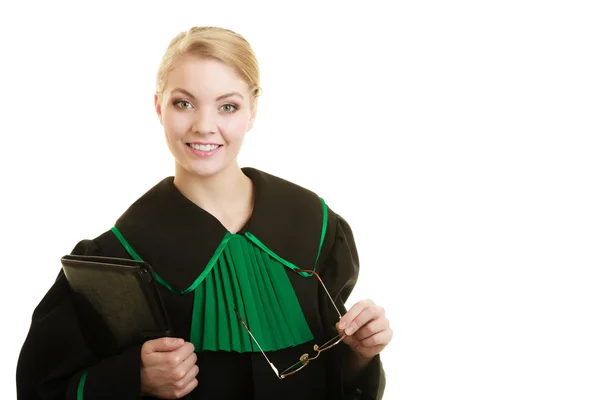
204	147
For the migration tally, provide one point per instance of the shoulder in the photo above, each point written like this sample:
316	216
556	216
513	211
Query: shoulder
293	207
275	195
278	186
150	202
280	202
293	195
106	245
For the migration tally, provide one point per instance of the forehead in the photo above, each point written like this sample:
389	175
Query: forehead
204	77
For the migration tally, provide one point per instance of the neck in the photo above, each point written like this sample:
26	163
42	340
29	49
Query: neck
226	193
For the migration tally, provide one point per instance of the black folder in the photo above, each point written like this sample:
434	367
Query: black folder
122	293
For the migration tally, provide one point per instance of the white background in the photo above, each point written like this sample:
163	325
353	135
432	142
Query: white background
458	138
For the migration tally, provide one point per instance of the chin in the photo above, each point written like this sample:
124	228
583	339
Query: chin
205	171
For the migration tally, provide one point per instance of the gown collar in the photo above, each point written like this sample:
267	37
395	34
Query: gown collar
178	238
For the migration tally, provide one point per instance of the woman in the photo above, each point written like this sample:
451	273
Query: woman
253	269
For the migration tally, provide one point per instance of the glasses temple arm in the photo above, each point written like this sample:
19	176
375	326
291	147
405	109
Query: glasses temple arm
328	295
311	272
252	336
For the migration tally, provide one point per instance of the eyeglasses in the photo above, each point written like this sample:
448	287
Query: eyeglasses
305	358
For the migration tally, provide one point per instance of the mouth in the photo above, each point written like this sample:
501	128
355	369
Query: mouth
204	147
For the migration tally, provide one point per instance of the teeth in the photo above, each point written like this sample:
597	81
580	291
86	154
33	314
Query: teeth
203	147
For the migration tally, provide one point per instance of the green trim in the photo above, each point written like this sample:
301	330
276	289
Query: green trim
210	265
81	385
204	273
159	279
129	249
270	252
323	231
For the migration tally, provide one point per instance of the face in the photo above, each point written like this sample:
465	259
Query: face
205	111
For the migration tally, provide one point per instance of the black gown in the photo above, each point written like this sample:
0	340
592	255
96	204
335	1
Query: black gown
289	225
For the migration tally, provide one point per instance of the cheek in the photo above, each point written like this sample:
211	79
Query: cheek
234	127
176	124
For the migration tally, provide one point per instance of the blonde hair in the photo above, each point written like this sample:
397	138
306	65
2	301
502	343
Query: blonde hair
220	43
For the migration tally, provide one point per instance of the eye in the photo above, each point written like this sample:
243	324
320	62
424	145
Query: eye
229	108
183	104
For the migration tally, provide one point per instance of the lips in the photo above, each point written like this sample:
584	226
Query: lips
204	147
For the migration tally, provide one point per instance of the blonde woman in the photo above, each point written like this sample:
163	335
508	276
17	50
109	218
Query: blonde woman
254	270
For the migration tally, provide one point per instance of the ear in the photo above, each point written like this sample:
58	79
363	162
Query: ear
252	116
158	107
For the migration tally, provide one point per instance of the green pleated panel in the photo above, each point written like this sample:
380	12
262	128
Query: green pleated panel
246	279
246	276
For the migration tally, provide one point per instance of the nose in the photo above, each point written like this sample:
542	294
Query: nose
205	121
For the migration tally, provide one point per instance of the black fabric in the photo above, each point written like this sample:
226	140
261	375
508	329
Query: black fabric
56	352
178	238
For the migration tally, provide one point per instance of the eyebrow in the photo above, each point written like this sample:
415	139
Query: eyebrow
221	97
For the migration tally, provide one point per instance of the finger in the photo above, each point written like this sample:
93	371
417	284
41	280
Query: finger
178	356
382	338
183	374
353	313
178	372
162	344
188	377
367	315
375	326
189	362
179	393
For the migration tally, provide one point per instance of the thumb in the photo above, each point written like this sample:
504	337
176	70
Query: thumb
349	340
163	344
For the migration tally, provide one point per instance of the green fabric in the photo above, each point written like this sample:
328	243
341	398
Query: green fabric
81	386
243	274
247	279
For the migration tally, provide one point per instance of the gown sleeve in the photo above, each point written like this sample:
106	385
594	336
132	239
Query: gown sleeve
339	272
57	359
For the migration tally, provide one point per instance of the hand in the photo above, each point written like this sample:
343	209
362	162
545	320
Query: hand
367	329
168	368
